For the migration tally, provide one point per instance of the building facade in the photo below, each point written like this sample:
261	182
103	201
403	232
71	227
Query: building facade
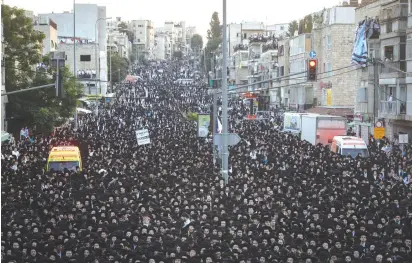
333	43
49	28
393	92
300	93
277	30
143	43
91	27
163	47
3	87
384	92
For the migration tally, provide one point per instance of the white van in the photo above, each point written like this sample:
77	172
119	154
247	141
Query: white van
349	146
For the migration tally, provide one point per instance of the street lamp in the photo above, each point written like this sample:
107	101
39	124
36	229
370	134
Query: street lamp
95	48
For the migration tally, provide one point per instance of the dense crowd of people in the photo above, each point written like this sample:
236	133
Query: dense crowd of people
287	200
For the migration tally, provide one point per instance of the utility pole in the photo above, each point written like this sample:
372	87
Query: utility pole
225	148
76	124
110	41
375	88
215	99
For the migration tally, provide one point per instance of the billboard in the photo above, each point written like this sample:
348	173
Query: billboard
292	122
203	122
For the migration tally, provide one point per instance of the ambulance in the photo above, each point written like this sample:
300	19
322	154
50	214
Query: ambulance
64	157
349	146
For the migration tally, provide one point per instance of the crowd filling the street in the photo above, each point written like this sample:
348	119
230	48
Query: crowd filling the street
286	201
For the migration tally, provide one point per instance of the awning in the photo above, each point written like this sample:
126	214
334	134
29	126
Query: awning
5	136
332	111
83	111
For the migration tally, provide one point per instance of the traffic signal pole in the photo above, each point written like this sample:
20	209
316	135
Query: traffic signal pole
225	148
28	89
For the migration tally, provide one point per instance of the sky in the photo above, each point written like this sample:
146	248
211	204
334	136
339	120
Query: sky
195	12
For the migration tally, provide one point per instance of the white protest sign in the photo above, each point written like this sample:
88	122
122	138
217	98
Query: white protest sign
143	137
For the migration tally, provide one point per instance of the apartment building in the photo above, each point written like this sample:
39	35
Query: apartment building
333	43
4	99
277	30
91	27
384	92
144	34
163	46
300	92
408	78
282	84
49	28
395	102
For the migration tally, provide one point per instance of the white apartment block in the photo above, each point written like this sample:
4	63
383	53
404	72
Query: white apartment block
91	27
4	99
119	43
177	33
143	31
163	47
49	28
277	30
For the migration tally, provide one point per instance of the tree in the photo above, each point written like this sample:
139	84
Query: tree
214	36
308	24
123	28
120	65
22	50
196	41
293	27
215	30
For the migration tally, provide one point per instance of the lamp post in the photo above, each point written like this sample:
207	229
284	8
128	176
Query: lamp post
95	48
74	59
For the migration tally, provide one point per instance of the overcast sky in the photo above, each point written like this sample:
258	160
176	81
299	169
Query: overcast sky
194	12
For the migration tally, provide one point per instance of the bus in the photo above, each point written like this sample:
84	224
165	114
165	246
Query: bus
64	157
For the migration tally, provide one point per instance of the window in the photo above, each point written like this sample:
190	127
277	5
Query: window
329	70
237	34
389	27
138	40
388	52
329	41
244	35
85	58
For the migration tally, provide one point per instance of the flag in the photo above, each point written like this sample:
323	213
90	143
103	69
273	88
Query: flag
219	126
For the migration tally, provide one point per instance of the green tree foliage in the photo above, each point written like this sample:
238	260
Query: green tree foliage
214	36
22	51
308	24
124	29
293	27
178	54
196	41
120	65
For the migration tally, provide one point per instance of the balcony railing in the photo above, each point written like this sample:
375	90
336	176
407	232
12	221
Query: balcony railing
394	67
393	107
393	12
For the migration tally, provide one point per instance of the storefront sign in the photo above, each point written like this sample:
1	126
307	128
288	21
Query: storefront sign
358	117
378	132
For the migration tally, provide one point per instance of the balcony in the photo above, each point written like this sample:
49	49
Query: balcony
392	110
410	21
393	70
398	10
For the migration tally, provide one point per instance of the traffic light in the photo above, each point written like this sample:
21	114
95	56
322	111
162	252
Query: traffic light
312	69
59	85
